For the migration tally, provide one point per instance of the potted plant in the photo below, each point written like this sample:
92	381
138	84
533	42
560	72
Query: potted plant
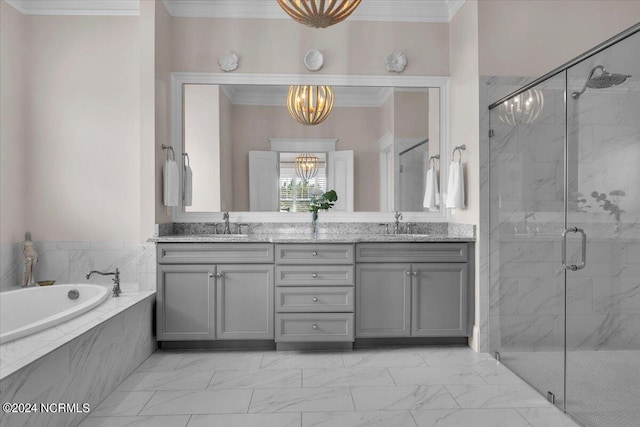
325	202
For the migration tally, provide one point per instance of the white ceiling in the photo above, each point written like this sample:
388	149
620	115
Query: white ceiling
369	10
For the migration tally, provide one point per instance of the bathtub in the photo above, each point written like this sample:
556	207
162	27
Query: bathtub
30	310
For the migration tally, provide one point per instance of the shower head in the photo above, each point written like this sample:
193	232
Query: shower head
602	81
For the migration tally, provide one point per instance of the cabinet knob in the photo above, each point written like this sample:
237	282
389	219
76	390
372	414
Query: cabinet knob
220	275
415	273
210	274
314	253
314	275
314	326
408	273
314	299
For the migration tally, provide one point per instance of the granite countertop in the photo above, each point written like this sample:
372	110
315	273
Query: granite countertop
308	238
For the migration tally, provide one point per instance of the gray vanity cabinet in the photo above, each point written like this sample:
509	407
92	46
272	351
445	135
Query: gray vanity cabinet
215	291
426	296
186	302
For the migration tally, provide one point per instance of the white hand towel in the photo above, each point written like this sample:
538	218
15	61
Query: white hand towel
431	190
170	183
187	193
455	186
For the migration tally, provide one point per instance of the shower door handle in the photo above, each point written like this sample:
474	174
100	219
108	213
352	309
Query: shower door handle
583	261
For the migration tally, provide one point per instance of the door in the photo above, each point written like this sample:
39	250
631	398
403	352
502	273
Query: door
263	181
383	307
340	178
439	295
245	301
185	307
526	221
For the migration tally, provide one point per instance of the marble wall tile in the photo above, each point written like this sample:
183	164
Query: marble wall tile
11	266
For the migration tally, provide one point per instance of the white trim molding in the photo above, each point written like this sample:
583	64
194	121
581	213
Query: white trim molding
303	145
77	8
454	6
178	80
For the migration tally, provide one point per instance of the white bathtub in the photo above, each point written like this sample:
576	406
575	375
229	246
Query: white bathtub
30	310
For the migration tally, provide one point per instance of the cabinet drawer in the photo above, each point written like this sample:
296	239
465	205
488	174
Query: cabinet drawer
310	327
215	253
321	275
315	299
412	252
314	254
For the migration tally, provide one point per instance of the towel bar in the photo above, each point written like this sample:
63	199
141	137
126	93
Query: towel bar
459	149
168	147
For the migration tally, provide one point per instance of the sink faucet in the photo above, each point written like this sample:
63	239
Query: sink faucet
396	226
225	217
116	280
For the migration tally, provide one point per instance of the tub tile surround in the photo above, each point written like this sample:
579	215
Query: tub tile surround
69	262
86	365
479	391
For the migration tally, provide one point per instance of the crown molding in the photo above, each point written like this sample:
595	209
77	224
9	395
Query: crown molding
75	7
378	10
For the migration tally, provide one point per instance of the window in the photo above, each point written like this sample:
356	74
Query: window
295	194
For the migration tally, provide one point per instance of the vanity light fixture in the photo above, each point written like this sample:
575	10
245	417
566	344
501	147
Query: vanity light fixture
307	165
309	104
522	108
319	13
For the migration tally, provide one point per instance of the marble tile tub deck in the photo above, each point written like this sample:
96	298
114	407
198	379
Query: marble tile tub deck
17	354
394	386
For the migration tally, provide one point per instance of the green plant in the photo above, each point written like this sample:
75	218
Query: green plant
611	206
324	201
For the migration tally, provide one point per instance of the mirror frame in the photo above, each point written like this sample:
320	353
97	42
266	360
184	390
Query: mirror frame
176	122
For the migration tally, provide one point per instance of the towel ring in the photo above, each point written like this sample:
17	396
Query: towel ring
432	160
168	147
186	157
459	149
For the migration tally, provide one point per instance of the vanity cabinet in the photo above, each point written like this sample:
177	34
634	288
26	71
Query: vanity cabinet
314	292
427	296
227	298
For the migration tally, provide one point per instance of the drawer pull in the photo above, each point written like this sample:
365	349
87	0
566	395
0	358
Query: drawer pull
314	275
314	326
314	253
314	299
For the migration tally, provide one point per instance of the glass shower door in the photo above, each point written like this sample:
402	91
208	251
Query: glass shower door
527	218
603	298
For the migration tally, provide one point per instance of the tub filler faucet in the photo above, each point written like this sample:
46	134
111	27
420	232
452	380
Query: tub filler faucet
116	280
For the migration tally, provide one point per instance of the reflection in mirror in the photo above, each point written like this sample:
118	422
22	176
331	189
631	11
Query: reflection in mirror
295	188
375	148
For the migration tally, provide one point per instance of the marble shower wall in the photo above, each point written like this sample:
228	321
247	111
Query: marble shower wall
69	262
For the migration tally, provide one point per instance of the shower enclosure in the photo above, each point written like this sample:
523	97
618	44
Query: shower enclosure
564	233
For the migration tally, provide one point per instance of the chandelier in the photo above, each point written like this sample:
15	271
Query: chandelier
319	13
306	165
522	108
310	105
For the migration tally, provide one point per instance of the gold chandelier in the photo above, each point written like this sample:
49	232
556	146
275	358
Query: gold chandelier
307	165
319	13
310	105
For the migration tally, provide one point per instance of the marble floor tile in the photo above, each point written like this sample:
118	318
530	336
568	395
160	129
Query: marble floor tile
358	419
546	417
198	402
469	417
496	396
122	403
161	361
165	380
262	378
453	356
153	421
301	400
300	360
402	397
246	420
215	360
346	377
435	375
496	373
381	359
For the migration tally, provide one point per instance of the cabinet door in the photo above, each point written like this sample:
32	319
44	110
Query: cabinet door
185	308
383	293
439	300
245	302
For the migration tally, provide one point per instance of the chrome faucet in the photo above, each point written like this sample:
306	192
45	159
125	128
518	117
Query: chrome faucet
225	217
396	226
116	280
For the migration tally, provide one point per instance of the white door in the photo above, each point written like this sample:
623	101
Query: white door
263	181
340	178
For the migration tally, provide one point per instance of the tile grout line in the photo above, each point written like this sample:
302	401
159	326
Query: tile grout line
147	402
253	390
353	400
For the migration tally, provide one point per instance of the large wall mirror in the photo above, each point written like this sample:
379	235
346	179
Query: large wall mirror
248	154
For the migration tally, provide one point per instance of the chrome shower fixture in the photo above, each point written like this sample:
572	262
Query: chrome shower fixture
602	81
